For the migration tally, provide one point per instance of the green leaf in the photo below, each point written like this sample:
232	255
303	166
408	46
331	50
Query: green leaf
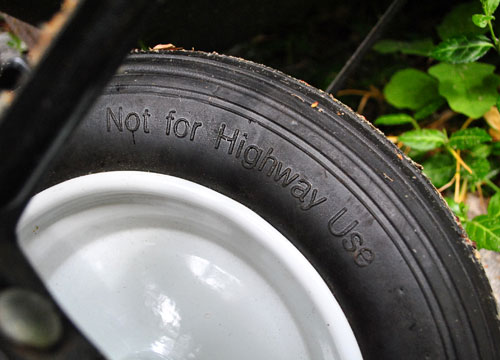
430	108
394	119
424	140
495	148
481	20
459	21
439	169
462	49
411	89
469	138
460	209
417	47
417	155
489	6
481	151
480	169
494	206
485	231
470	89
142	45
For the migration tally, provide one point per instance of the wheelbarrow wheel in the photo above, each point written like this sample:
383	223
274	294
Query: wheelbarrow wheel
365	218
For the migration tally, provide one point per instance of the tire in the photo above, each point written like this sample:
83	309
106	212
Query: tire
362	213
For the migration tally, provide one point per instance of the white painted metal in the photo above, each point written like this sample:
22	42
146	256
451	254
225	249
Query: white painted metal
151	266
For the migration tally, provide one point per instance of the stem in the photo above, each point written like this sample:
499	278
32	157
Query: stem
467	123
457	157
481	198
491	185
446	186
362	103
456	196
352	92
415	124
463	191
495	40
443	118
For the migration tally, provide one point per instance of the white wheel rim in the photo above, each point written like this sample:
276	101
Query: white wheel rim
152	266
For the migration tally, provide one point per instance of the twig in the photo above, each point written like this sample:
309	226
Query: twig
365	45
362	103
463	191
456	155
365	96
457	182
467	123
447	185
443	118
352	92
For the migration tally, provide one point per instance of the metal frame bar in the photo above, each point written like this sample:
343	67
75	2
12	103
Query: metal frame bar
83	55
367	43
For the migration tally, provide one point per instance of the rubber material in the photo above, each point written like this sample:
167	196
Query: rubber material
366	218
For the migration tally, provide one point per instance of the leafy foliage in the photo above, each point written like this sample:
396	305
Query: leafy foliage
469	138
481	151
411	89
394	119
431	107
440	168
485	231
494	206
458	22
480	169
495	149
417	47
489	6
462	49
459	208
470	89
481	20
423	140
467	159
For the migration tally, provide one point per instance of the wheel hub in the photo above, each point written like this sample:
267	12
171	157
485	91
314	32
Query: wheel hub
151	266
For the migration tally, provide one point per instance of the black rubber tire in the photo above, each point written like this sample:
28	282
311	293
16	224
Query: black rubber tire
364	215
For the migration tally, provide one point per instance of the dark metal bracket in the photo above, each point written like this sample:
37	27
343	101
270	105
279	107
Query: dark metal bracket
83	55
368	42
